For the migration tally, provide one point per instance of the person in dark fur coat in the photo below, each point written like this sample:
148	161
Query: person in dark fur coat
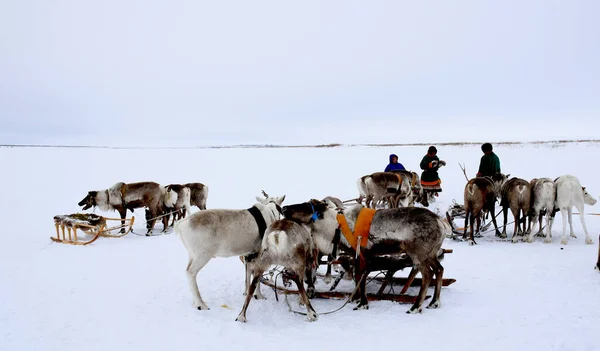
430	164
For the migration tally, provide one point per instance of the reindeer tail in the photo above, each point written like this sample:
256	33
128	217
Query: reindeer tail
445	226
277	240
471	189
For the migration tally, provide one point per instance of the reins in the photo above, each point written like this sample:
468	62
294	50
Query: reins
287	292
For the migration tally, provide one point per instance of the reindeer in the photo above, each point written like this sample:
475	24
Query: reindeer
198	196
515	193
542	205
416	231
480	195
181	205
380	186
569	193
225	233
122	197
288	244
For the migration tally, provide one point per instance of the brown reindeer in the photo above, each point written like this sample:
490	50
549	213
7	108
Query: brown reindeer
515	194
198	196
288	244
122	197
415	231
479	195
386	186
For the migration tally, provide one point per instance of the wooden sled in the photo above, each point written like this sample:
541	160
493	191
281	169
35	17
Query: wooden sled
389	263
90	224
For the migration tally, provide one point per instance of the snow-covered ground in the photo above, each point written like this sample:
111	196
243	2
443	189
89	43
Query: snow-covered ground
132	294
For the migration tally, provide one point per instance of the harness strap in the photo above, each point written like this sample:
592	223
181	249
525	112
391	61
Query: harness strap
362	228
260	220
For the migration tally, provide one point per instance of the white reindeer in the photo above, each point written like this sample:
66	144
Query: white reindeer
542	205
569	193
223	233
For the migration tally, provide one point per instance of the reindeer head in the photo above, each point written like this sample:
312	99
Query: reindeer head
89	200
498	180
306	212
587	198
272	203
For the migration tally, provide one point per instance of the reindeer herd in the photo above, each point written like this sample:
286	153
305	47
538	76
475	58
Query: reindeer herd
528	201
295	236
159	201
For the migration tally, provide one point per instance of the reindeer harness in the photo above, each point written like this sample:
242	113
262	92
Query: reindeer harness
360	237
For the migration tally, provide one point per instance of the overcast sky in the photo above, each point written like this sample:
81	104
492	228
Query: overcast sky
223	72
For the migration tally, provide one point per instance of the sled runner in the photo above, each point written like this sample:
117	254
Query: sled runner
91	225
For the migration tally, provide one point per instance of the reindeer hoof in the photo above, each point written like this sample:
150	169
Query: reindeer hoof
312	316
361	307
327	279
573	236
436	304
241	318
414	310
588	241
203	308
515	239
472	242
548	240
564	241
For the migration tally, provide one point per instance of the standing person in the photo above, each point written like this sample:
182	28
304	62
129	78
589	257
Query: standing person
490	163
430	179
394	165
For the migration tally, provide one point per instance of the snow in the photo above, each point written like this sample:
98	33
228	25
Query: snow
131	293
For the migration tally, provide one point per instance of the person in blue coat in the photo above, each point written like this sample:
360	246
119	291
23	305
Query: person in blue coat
394	164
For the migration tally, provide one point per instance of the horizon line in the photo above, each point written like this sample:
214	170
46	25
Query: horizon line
292	146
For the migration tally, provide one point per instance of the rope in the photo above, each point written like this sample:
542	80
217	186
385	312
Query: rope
151	219
328	312
275	289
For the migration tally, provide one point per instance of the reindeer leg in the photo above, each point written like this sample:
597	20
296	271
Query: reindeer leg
426	273
471	229
516	229
123	214
548	238
328	277
467	216
564	239
493	214
194	266
505	215
438	270
360	277
570	214
310	311
242	316
581	210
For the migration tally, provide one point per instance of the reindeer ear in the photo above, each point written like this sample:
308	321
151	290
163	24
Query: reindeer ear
279	200
583	188
508	176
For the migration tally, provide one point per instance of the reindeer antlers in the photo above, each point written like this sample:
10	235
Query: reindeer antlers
265	194
462	166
